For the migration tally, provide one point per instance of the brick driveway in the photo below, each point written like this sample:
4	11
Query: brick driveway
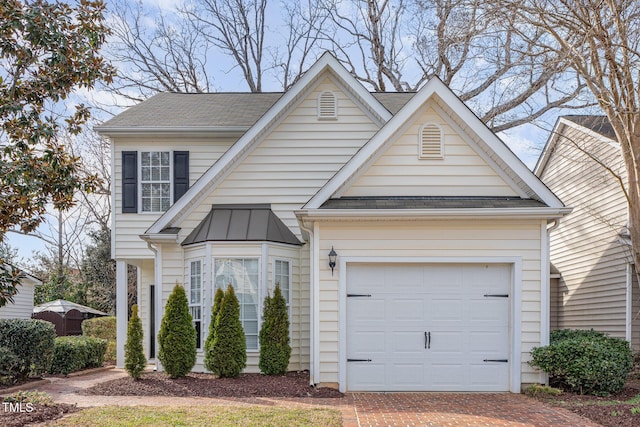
358	409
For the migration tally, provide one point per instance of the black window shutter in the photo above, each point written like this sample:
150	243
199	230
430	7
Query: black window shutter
129	182
180	174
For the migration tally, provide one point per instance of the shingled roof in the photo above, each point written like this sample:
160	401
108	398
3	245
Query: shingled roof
599	124
214	110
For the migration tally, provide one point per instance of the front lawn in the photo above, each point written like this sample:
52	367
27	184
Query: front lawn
125	416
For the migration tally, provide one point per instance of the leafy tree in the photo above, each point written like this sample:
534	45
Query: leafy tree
134	360
208	344
99	273
49	49
177	336
275	350
229	352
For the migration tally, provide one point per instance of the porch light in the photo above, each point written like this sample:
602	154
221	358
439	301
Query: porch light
332	259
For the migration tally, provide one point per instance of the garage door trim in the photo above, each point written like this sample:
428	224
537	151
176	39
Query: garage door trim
514	316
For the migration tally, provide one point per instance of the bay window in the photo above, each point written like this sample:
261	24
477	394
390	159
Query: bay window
195	298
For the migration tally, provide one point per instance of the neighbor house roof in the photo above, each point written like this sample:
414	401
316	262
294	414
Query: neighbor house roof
248	222
598	124
212	110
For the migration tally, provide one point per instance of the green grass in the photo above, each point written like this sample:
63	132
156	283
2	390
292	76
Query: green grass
200	415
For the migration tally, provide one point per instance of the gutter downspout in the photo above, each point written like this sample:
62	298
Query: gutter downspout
545	287
312	267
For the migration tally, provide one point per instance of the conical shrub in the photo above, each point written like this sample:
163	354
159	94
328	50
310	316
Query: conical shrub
134	359
208	344
275	350
177	336
229	352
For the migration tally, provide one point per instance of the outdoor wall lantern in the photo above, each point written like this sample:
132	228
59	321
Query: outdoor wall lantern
332	259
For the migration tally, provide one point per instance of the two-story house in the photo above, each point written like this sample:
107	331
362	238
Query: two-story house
595	283
410	242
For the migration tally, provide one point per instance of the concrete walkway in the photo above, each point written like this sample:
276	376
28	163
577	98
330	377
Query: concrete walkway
358	409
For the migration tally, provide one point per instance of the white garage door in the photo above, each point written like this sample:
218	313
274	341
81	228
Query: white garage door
428	327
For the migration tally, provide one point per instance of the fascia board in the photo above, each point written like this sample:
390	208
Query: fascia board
208	180
498	147
159	238
156	131
418	214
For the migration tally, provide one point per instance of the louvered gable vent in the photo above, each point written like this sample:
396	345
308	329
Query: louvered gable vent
430	142
327	106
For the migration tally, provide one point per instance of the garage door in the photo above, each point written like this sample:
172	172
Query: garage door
417	327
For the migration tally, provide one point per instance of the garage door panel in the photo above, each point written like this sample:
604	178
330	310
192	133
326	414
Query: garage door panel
407	309
446	301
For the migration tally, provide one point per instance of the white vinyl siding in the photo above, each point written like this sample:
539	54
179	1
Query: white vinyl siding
126	227
399	172
22	306
297	157
586	248
432	239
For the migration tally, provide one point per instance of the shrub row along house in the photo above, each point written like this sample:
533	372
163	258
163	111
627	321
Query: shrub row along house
411	244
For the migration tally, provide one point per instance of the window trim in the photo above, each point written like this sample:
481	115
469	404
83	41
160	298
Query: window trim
141	182
259	293
202	295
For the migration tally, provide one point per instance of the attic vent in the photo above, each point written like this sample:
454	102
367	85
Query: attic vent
327	106
430	142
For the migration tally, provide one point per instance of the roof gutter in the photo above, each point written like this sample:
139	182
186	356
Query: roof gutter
171	130
160	238
418	214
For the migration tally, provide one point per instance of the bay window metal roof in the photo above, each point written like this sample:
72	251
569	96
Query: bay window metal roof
239	223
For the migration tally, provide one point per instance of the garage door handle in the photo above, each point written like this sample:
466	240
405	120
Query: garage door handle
427	340
358	360
497	360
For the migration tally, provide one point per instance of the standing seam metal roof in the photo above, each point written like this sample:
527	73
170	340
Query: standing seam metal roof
250	222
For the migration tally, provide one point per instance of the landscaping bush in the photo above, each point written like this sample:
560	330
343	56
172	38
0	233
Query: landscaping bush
177	336
76	353
229	352
208	344
585	362
105	328
275	350
134	360
31	341
9	366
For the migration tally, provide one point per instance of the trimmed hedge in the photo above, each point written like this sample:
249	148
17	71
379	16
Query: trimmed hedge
76	353
275	350
585	361
134	359
177	336
229	351
105	328
27	348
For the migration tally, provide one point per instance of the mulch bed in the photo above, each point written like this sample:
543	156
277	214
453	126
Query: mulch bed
293	384
605	411
35	414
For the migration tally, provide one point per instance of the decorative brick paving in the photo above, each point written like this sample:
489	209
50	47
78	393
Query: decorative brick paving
358	409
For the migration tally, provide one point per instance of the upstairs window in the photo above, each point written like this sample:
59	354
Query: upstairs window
430	142
155	174
327	106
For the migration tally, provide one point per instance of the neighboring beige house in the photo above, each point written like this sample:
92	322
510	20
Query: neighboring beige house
441	274
593	283
22	306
